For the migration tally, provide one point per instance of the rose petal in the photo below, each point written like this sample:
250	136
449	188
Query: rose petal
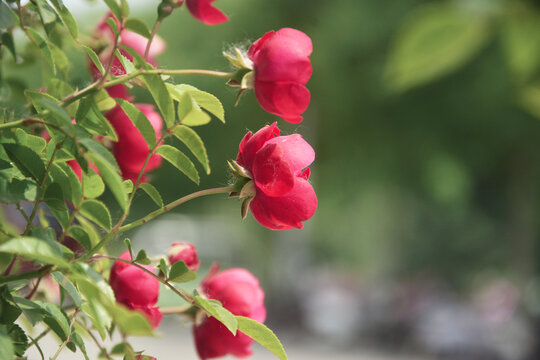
254	143
272	174
203	11
287	100
297	152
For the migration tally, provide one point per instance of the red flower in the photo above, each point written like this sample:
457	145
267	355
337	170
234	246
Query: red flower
282	69
203	11
136	289
239	292
185	252
131	150
284	197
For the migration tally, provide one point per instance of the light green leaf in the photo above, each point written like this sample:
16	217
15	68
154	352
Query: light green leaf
48	107
55	318
26	160
204	99
95	147
140	121
79	233
131	322
66	17
190	113
6	347
93	184
138	26
194	143
180	161
74	183
163	99
261	334
215	309
68	286
95	59
180	273
126	63
115	8
35	249
112	179
435	40
41	43
97	212
153	193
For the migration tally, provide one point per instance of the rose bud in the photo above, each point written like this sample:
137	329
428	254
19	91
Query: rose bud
282	197
185	252
203	11
136	289
239	292
131	149
282	69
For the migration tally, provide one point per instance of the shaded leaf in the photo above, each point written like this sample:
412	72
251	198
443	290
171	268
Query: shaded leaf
138	26
180	161
26	160
35	249
180	273
41	43
66	17
97	212
112	179
140	121
194	143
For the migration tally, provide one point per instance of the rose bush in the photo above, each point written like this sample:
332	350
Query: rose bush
282	69
136	289
283	196
240	293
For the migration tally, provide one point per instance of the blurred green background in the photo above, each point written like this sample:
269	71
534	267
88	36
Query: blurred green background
424	117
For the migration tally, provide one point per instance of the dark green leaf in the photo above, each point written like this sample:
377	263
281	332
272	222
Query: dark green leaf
35	249
115	8
142	258
261	334
9	311
128	245
66	17
180	161
180	273
97	212
16	190
138	26
140	121
97	124
55	318
48	107
7	40
41	43
95	147
6	16
74	183
194	143
112	179
26	160
163	268
215	309
79	341
153	193
54	198
78	233
18	339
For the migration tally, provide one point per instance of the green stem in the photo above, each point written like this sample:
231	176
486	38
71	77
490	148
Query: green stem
102	350
154	32
29	275
63	345
172	205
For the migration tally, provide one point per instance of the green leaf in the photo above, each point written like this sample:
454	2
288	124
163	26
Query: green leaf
126	63
163	268
61	178
79	233
16	190
55	318
131	322
60	60
128	245
7	40
140	121
36	143
41	43
67	285
35	249
261	334
115	8
95	147
139	27
435	40
97	124
142	258
18	339
154	83
112	179
79	341
6	347
6	18
180	161
180	273
153	193
97	212
204	99
194	143
74	183
95	59
9	311
66	17
190	113
26	160
48	107
93	184
54	198
215	309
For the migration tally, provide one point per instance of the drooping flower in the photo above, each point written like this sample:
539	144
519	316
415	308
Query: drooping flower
240	293
282	69
185	252
283	196
136	289
131	149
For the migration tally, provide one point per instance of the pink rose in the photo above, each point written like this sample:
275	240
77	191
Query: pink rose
282	69
185	252
239	292
203	11
284	197
136	289
131	150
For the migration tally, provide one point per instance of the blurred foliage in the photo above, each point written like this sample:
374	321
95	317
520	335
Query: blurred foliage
424	117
